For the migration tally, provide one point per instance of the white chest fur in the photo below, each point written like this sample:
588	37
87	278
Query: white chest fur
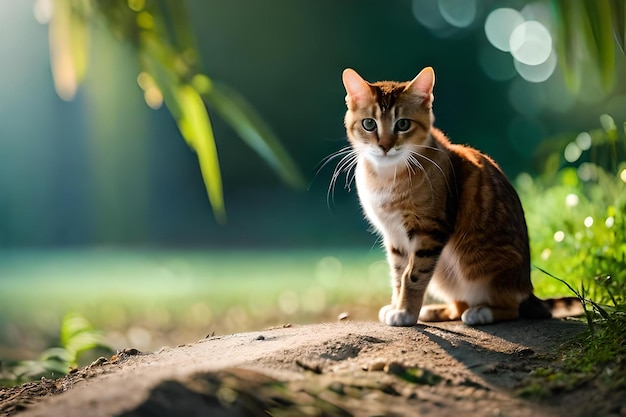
377	202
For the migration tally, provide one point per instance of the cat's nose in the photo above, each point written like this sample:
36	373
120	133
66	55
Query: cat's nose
385	142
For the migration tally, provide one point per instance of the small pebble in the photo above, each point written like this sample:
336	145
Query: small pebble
100	361
376	366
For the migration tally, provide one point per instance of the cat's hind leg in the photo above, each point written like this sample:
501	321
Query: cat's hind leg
443	312
485	314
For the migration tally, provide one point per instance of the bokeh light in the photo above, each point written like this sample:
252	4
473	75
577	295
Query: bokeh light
42	10
609	222
571	200
537	73
607	122
328	271
587	171
499	25
583	140
136	5
559	236
458	13
572	152
427	13
530	43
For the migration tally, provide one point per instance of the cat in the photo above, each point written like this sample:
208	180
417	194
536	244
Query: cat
450	221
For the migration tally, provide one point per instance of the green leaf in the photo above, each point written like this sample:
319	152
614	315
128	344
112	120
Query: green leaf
599	38
567	17
195	126
619	23
77	335
176	20
56	354
242	117
71	326
187	108
156	59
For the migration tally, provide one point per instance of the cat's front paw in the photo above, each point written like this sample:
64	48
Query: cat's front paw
477	315
394	317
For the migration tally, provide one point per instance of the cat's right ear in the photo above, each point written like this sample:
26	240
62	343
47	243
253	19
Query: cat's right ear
423	84
357	88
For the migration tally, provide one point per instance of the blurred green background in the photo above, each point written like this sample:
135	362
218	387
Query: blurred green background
103	209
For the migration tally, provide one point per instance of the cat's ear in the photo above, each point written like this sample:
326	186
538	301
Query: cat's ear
357	88
423	84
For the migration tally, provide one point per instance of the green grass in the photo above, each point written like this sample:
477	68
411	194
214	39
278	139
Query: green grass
575	213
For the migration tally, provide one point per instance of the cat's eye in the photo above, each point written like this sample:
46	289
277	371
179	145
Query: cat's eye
369	124
402	125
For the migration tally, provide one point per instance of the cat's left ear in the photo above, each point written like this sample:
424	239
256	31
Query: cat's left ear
423	84
357	88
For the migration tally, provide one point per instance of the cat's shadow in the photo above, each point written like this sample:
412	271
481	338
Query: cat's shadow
502	354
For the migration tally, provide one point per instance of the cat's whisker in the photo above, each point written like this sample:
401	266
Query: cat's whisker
417	163
443	174
449	162
326	160
346	163
350	170
409	167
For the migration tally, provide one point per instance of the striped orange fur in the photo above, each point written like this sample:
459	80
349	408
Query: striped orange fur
450	220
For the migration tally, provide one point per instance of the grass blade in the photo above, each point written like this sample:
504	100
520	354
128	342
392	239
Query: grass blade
240	115
578	295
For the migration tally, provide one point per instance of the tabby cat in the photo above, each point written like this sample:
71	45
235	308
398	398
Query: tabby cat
450	220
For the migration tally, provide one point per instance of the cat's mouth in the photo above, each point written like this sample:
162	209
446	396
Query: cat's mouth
388	157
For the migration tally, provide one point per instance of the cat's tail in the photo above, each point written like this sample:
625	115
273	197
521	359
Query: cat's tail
536	308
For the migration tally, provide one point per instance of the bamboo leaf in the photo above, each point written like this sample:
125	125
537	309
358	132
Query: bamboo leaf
567	17
195	126
176	18
167	50
156	60
187	108
599	39
619	23
249	125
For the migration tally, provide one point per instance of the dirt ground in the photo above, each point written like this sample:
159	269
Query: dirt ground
336	369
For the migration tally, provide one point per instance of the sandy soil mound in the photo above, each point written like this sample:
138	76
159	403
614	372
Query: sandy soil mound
337	369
